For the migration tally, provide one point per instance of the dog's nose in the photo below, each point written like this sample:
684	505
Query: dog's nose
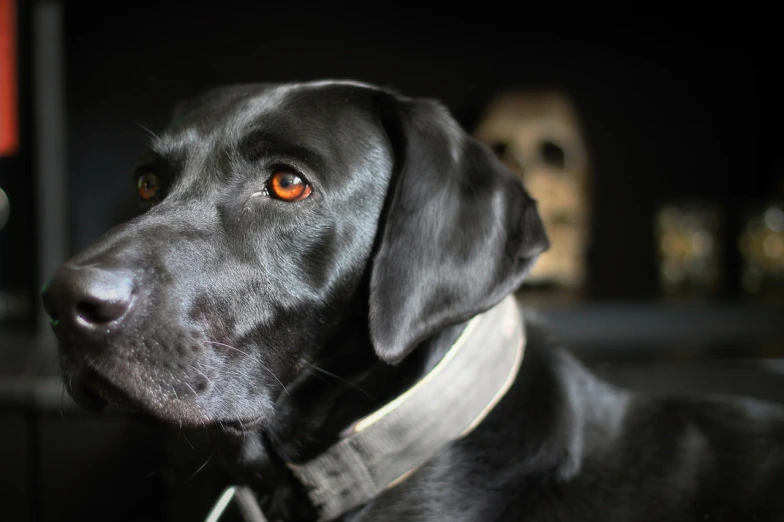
88	298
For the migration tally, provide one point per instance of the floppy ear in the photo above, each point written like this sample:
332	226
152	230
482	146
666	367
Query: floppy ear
459	231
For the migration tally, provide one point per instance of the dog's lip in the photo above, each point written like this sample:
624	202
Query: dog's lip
92	391
245	424
241	427
86	395
95	392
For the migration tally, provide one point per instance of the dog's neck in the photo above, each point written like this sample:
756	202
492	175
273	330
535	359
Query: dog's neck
345	382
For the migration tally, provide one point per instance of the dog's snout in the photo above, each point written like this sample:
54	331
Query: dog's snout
89	298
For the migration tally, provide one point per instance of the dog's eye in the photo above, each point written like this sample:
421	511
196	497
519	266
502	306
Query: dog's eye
287	186
147	186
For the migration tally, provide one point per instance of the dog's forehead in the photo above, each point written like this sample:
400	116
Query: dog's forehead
225	115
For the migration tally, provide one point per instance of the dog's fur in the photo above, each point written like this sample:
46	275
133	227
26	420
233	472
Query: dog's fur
279	324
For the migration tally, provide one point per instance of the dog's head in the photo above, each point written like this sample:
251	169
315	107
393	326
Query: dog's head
274	213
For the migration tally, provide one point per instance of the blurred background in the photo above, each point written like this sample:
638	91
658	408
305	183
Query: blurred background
652	147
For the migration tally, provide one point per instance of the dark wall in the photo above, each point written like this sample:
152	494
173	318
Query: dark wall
671	109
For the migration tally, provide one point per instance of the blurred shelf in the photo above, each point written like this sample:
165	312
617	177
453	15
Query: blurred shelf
723	329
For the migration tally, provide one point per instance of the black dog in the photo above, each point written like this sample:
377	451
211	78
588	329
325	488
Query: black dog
310	252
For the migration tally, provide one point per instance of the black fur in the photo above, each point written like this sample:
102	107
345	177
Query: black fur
279	324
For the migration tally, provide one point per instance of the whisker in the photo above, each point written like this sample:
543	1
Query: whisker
319	377
227	346
149	132
172	383
205	376
62	399
341	379
201	468
244	433
175	391
191	388
153	472
276	378
51	367
248	355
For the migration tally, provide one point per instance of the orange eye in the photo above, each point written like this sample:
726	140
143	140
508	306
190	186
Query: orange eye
287	186
147	186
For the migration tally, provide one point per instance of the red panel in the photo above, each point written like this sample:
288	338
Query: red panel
9	126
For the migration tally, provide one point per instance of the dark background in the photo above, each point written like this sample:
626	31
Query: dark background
673	107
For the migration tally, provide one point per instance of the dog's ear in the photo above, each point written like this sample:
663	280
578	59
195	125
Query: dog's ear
458	234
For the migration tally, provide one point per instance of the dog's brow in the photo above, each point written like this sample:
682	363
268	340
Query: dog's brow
259	143
175	143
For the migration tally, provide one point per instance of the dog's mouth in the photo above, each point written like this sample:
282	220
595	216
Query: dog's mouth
95	392
87	396
238	426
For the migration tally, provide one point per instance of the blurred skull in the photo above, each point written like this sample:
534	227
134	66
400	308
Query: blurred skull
537	135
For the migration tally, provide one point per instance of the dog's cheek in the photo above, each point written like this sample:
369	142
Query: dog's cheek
210	318
319	260
290	334
249	339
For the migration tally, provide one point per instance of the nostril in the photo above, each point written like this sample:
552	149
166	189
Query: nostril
89	312
98	311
